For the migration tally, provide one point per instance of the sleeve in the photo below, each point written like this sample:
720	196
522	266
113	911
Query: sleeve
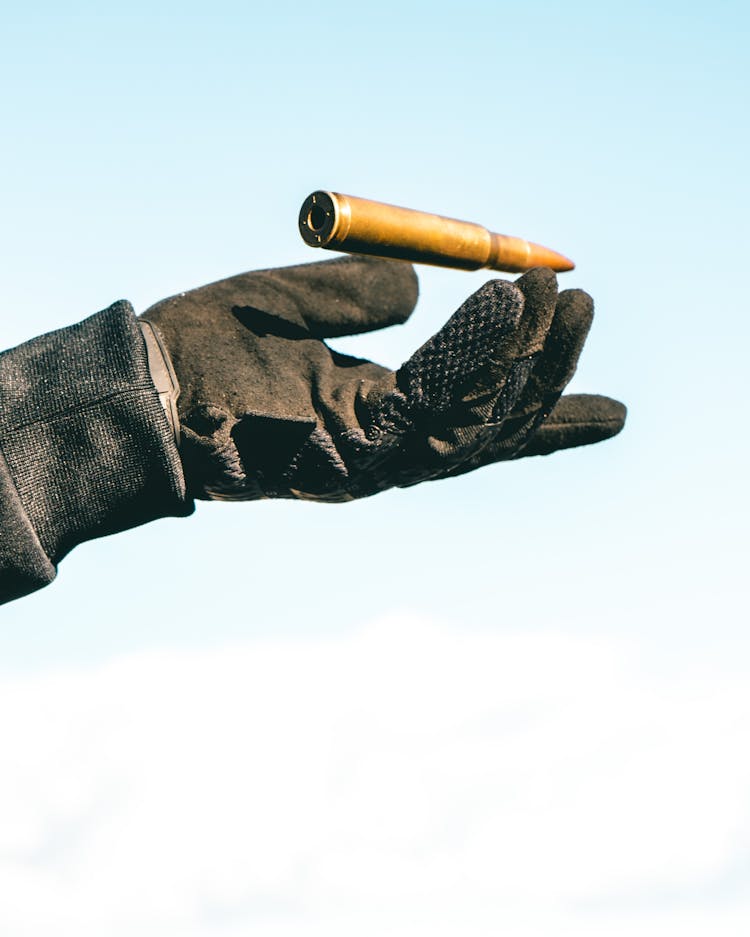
86	448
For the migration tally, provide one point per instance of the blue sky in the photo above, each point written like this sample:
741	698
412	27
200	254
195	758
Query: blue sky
157	148
152	150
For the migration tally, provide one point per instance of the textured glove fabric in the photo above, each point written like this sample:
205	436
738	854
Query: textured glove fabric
269	410
85	445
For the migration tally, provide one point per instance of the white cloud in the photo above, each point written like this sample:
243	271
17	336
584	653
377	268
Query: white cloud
406	779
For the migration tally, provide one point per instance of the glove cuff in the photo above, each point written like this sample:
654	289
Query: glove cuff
86	442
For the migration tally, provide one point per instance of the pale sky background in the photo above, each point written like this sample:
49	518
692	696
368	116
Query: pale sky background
515	702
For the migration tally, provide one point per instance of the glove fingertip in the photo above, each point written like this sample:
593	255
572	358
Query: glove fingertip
538	284
577	420
576	306
397	290
345	296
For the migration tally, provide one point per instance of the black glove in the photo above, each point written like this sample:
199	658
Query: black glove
268	410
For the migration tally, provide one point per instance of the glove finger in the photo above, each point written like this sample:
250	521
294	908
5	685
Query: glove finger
555	366
539	288
550	373
338	297
562	348
467	357
436	408
446	400
552	369
322	300
577	420
495	386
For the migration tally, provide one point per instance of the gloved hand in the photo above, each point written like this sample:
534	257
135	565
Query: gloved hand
268	410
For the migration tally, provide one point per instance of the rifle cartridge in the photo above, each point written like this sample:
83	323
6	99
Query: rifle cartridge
360	226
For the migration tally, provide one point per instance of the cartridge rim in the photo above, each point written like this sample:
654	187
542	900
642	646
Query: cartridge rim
318	218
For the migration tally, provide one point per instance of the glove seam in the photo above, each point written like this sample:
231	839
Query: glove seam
55	415
590	422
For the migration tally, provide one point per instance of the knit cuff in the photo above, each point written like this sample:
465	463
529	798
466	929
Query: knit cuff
87	446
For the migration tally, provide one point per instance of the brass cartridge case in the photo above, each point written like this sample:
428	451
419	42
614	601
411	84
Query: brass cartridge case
361	226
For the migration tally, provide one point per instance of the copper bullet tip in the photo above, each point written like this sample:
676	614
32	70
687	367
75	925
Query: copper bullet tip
546	257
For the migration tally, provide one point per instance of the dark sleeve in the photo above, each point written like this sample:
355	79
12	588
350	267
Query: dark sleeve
85	446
